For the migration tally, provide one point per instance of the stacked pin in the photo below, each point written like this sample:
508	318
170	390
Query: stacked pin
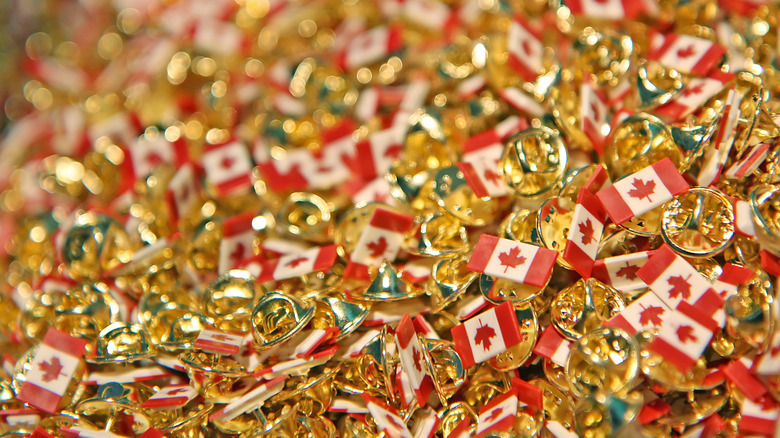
399	218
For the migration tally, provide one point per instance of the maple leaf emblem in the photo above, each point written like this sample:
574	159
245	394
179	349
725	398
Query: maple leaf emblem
393	151
176	391
527	47
685	52
296	261
417	359
774	351
378	248
642	189
586	228
51	369
511	258
680	287
595	111
628	272
227	162
492	176
483	336
685	333
153	159
221	337
495	414
651	315
696	89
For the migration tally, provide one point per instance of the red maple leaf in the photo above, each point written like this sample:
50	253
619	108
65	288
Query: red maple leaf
685	334
378	248
176	391
417	359
628	272
651	315
774	351
296	261
51	369
492	176
527	47
227	162
685	52
642	189
238	252
595	111
511	259
680	287
221	337
483	336
586	228
393	151
153	159
696	89
495	414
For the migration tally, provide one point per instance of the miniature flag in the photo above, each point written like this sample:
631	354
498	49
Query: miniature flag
386	418
146	154
748	163
297	366
171	397
642	191
551	345
558	430
376	190
743	218
729	280
768	363
51	370
683	336
646	312
620	271
674	280
237	244
126	375
606	9
295	265
228	167
462	430
305	342
693	95
20	417
525	49
380	240
429	13
481	155
412	359
376	154
594	112
87	432
512	260
487	335
123	127
587	224
499	414
217	341
521	101
251	400
739	374
183	192
348	404
371	46
715	157
686	53
758	418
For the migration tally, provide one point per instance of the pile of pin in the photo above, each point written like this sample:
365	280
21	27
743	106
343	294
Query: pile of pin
413	218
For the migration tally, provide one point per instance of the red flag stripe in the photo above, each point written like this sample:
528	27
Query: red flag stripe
742	378
482	252
670	177
479	141
389	220
237	224
671	353
698	315
44	399
612	201
473	179
461	340
657	264
541	267
65	343
736	274
581	262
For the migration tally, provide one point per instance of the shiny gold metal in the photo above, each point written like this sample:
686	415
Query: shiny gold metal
637	142
120	343
230	298
455	196
449	280
306	215
441	235
552	226
534	162
277	317
95	245
214	376
765	203
584	306
660	370
516	356
604	414
698	223
604	359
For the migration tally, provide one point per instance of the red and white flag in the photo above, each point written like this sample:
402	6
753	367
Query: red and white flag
675	281
386	418
126	375
425	424
499	414
432	14
646	312
305	342
376	190
77	431
620	271
251	400
551	345
487	335
51	370
606	9
768	363
749	162
376	154
371	46
738	372
758	418
642	191
228	167
715	157
587	224
525	48
521	101
594	112
731	278
693	95
146	154
183	192
380	240
412	359
299	365
218	341
171	397
481	155
122	127
686	53
237	244
293	265
512	260
743	218
683	336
